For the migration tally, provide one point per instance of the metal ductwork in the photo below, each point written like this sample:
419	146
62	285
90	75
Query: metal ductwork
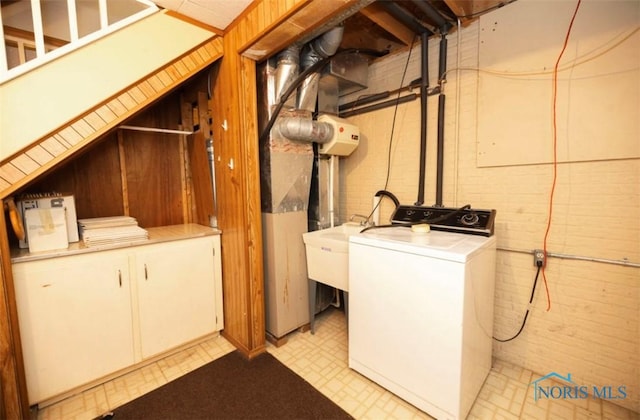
288	66
287	158
321	47
289	131
303	129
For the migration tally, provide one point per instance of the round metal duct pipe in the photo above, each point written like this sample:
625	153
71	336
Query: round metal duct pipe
303	129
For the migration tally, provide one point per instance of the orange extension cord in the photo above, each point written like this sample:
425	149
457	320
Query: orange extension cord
555	150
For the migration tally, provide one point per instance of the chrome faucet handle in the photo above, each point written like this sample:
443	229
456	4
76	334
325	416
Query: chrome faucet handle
364	222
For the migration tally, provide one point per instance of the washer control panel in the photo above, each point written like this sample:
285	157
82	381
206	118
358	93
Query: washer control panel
461	220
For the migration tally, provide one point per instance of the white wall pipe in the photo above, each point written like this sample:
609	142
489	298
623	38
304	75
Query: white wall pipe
375	216
332	162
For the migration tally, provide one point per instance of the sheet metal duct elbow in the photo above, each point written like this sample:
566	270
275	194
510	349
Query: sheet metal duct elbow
303	129
287	70
321	47
327	44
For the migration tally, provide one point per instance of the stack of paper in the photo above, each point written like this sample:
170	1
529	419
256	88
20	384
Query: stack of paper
111	230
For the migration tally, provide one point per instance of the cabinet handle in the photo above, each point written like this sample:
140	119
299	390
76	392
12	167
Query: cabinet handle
120	278
146	276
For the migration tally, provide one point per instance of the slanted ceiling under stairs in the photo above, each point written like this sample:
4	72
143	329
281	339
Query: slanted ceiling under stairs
51	150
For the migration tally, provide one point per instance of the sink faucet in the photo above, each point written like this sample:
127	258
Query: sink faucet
364	222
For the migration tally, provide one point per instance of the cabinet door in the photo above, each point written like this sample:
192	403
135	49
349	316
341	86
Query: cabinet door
75	321
176	293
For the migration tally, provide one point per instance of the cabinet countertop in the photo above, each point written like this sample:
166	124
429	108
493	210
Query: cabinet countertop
156	235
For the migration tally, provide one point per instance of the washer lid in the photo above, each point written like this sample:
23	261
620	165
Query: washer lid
437	244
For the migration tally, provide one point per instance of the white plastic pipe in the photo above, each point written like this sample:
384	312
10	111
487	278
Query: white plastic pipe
375	217
332	161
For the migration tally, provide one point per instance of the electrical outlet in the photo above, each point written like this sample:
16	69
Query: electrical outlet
539	259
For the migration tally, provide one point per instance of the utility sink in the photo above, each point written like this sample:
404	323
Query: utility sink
328	254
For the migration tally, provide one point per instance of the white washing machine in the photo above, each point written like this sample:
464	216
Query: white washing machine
421	315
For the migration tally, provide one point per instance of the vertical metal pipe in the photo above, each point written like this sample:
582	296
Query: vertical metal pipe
424	84
213	219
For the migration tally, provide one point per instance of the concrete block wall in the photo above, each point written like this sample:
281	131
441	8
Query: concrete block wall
592	329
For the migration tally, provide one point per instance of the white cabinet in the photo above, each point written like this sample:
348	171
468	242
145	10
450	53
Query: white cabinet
90	314
176	293
75	320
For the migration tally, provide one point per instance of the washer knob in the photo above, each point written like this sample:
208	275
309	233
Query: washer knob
469	219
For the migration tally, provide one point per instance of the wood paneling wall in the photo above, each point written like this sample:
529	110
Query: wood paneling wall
237	174
263	30
147	175
12	381
93	178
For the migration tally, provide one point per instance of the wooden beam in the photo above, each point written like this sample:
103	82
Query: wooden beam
460	8
468	11
261	35
382	18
